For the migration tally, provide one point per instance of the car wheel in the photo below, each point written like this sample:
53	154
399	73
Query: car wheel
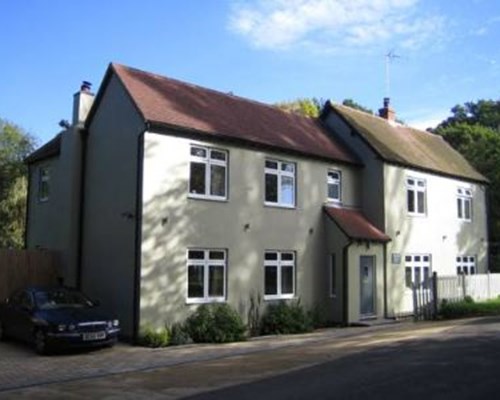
41	346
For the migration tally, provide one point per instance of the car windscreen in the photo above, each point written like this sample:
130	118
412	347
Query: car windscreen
61	298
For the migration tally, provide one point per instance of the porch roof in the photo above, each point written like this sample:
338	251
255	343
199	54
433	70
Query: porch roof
355	225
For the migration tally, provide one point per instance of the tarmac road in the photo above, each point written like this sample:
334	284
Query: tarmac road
460	364
458	359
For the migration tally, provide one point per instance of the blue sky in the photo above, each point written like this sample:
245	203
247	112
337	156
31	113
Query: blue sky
266	50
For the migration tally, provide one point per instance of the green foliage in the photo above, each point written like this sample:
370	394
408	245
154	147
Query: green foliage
215	323
352	104
15	145
179	335
469	308
150	337
285	318
306	107
254	314
319	317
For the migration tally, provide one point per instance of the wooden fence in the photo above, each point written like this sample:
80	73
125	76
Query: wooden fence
19	268
427	296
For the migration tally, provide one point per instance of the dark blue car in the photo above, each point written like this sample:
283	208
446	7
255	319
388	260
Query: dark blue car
56	317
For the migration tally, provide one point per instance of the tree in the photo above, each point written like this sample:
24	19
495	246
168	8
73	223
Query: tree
303	106
15	145
351	103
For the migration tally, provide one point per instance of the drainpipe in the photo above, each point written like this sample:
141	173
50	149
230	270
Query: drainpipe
345	282
385	281
27	207
83	163
138	237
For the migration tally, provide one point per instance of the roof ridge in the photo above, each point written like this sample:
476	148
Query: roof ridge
219	92
397	124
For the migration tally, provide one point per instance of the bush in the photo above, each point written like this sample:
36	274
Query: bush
469	308
179	335
150	337
215	323
284	318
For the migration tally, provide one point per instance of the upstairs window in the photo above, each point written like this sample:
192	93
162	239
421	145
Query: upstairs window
464	204
416	196
44	184
206	270
466	265
280	183
334	185
208	173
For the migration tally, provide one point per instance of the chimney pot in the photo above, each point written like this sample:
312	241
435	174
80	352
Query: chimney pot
387	112
86	86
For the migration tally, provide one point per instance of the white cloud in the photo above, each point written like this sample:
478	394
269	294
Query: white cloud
333	24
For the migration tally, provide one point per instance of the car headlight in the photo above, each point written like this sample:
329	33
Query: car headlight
61	328
114	323
71	327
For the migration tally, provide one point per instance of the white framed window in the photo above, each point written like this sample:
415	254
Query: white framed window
208	173
334	185
43	184
466	265
464	204
416	196
280	183
206	275
417	270
279	275
333	275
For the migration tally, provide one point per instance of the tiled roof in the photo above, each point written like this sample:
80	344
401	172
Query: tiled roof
172	103
355	225
407	146
50	149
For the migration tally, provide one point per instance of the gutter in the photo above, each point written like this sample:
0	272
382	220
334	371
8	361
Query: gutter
345	282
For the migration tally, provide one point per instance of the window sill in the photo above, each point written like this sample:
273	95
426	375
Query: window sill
209	198
276	205
417	215
271	297
334	201
467	221
206	300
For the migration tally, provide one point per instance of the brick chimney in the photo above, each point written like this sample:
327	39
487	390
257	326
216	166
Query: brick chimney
387	112
82	101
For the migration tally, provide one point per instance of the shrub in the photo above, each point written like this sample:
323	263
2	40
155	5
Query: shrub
179	335
469	308
215	323
150	337
319	317
254	314
284	318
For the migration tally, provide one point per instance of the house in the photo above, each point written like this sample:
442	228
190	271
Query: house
162	195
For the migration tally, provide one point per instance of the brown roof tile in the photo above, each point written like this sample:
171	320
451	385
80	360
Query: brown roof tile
170	102
411	147
355	225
